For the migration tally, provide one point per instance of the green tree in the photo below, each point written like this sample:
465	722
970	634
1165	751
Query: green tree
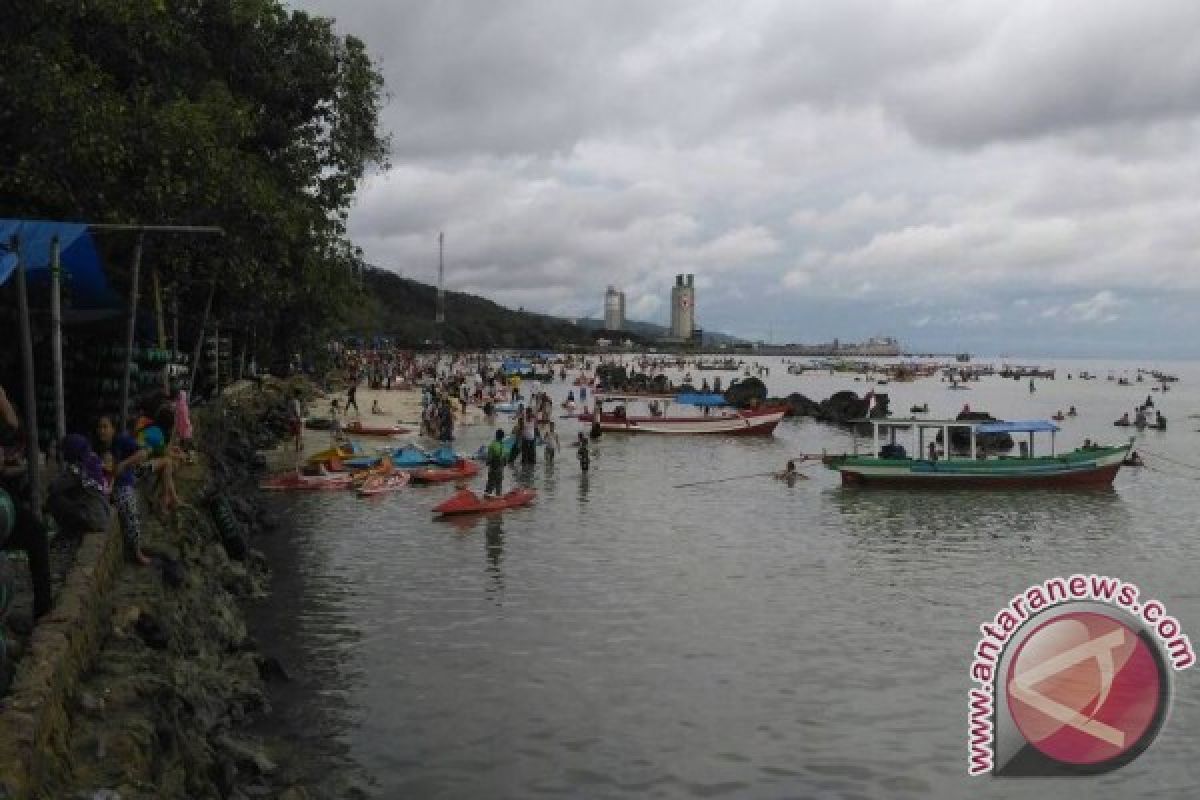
238	113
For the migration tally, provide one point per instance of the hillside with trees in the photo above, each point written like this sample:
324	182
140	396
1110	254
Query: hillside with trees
404	309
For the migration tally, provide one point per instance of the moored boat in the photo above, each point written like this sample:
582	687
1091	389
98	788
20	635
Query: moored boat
465	468
890	466
358	428
382	484
756	421
465	501
296	482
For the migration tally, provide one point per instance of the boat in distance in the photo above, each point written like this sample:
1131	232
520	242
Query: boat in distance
890	466
745	422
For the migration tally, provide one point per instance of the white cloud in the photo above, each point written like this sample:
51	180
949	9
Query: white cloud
1097	308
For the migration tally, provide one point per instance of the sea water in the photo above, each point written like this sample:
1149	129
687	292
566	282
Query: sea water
743	638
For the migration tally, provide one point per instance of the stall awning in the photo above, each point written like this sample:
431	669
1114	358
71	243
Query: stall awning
77	255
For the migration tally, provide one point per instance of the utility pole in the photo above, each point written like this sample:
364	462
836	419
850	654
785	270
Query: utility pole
441	296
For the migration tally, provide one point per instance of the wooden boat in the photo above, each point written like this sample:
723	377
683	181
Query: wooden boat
750	422
465	501
382	484
295	482
890	467
465	468
359	429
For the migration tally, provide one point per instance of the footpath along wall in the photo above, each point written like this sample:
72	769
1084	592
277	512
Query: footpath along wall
142	680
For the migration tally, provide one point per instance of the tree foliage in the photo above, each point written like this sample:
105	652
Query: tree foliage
237	113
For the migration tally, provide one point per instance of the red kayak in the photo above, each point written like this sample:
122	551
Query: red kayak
463	469
467	502
294	482
358	428
381	484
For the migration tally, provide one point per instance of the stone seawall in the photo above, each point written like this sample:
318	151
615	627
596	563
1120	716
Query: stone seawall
142	682
34	718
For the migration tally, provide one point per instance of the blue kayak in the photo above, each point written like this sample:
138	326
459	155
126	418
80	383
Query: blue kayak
410	456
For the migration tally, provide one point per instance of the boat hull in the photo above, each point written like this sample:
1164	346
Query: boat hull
467	502
1065	473
464	469
750	423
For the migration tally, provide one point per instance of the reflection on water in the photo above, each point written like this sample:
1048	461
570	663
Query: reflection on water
744	638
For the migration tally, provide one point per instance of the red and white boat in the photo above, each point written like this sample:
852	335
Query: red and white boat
728	422
356	427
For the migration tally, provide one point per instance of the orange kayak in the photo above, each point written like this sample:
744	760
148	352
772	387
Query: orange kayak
463	469
467	502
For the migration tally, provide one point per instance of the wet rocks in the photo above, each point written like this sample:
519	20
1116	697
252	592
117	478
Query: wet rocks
746	392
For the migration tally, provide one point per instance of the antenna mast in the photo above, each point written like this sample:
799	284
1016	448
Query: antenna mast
441	297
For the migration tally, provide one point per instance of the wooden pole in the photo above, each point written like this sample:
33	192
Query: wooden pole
34	468
130	329
217	358
212	288
60	409
161	324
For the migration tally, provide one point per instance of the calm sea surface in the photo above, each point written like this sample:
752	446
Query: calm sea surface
624	638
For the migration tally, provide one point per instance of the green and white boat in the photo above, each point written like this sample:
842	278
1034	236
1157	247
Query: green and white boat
889	464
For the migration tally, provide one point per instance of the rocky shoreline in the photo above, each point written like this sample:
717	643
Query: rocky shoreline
162	705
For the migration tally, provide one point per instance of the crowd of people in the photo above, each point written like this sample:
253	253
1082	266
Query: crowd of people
90	478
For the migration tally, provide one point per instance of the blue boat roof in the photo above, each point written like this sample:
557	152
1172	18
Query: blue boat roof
1018	426
700	399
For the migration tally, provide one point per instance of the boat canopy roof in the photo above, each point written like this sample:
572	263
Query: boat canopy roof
980	426
1018	426
700	399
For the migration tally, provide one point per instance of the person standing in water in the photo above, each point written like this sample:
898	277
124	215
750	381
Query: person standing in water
581	453
552	443
496	461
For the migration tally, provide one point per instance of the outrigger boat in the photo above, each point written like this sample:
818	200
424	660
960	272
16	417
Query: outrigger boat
889	465
722	420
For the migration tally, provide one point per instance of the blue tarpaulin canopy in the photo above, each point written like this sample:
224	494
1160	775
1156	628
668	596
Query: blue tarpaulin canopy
698	399
77	255
1018	426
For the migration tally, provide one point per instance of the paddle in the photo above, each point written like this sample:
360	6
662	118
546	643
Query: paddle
737	478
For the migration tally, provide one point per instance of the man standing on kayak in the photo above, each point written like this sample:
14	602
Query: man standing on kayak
495	465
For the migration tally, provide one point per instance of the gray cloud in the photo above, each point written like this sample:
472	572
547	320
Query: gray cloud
817	165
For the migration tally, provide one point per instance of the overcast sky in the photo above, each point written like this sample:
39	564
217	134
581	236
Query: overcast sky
1004	177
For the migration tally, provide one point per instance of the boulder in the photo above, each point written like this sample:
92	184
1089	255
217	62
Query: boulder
746	392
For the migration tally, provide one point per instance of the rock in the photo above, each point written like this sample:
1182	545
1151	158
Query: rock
173	572
151	631
245	754
293	793
101	794
90	703
746	392
269	669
